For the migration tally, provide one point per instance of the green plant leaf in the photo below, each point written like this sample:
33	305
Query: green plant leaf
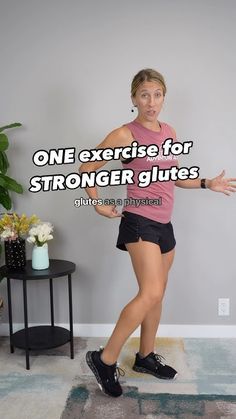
4	144
4	164
5	199
15	124
9	183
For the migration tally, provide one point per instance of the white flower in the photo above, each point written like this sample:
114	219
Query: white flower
31	239
33	231
40	233
6	234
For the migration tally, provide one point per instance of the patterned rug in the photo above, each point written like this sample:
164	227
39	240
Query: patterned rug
57	387
85	402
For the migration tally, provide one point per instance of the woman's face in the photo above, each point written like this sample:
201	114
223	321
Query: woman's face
149	100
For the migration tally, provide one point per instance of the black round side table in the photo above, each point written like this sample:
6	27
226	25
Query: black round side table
40	337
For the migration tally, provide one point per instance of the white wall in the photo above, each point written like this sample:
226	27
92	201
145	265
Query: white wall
66	69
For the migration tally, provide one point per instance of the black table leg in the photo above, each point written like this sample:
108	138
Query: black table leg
51	302
26	324
71	318
10	313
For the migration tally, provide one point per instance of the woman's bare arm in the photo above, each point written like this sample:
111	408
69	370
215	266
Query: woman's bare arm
120	137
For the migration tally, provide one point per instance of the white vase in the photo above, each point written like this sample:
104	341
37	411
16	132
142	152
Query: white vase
40	259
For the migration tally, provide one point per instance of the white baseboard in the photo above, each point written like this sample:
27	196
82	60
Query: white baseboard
165	330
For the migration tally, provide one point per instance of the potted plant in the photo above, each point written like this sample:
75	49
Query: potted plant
13	229
7	184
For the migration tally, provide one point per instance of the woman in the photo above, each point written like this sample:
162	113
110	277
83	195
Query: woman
145	232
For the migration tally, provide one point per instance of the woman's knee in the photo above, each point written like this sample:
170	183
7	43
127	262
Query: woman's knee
152	297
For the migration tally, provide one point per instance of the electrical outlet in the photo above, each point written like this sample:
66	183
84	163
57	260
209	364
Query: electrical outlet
223	307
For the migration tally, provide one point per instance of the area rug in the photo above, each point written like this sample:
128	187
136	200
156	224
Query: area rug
86	402
57	387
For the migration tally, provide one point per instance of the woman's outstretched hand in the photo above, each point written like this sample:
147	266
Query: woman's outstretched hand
109	211
221	184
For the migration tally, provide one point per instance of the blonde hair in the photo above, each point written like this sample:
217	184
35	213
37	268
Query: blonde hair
147	74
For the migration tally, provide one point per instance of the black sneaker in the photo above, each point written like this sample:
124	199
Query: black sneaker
106	375
153	364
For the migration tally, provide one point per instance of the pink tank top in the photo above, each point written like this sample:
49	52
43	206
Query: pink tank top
161	193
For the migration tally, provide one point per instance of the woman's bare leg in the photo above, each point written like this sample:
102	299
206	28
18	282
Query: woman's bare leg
148	266
151	322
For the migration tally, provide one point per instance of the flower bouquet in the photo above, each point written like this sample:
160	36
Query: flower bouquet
13	229
39	235
14	226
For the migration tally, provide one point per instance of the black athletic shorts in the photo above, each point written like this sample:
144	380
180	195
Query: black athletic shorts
133	226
